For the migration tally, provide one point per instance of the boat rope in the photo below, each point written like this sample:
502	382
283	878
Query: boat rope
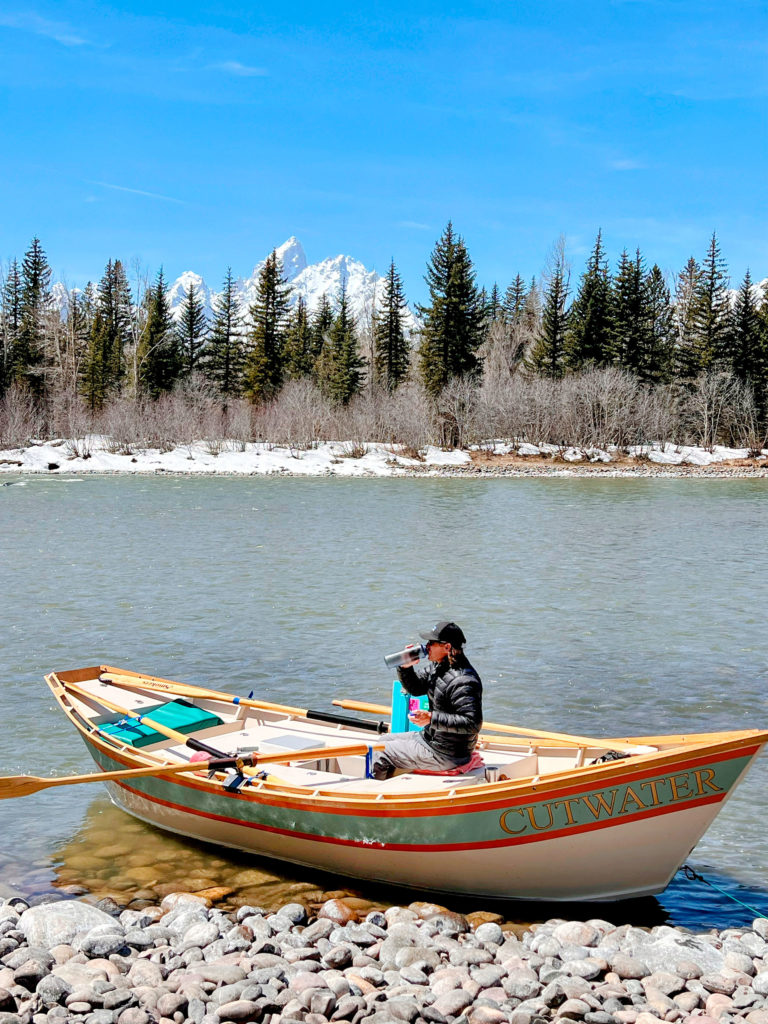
693	875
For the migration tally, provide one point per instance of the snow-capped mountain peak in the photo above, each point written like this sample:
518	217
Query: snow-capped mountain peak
293	258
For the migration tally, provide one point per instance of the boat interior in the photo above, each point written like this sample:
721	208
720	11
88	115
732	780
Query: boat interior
239	730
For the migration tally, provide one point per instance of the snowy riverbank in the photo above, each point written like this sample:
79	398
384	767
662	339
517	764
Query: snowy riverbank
96	454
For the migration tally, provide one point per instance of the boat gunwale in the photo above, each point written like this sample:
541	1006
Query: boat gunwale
490	796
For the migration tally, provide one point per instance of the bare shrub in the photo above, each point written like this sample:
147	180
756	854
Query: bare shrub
408	418
456	413
69	416
237	424
122	425
297	417
21	418
352	450
721	408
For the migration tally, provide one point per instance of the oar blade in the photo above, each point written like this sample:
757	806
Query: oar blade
20	785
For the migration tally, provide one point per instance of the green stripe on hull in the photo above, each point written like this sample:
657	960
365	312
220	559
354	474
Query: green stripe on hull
555	814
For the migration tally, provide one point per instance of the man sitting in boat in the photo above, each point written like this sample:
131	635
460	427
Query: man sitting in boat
455	715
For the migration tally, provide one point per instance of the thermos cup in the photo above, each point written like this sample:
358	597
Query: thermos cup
403	657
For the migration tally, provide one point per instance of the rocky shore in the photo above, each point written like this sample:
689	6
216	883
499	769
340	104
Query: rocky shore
185	962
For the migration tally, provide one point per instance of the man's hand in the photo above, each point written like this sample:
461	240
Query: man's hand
420	717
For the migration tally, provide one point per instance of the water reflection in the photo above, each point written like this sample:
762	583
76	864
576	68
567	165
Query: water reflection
114	855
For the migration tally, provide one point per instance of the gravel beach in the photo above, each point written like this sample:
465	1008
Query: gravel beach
185	961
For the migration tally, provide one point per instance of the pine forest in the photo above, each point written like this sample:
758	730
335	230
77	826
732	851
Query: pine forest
620	355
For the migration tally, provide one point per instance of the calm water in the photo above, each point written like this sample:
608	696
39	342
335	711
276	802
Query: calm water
604	606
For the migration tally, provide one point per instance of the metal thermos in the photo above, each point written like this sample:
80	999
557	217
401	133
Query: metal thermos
403	657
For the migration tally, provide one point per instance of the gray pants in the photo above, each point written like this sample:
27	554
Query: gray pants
408	751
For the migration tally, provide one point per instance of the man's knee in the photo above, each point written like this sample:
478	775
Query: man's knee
382	768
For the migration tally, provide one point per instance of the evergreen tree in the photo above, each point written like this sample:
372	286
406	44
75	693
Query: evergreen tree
548	353
109	333
225	352
321	323
341	366
588	339
94	382
658	366
10	324
713	311
514	301
494	307
750	343
391	353
159	360
454	321
299	342
191	330
264	364
690	358
29	349
761	393
630	322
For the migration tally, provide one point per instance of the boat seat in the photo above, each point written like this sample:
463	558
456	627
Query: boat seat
178	714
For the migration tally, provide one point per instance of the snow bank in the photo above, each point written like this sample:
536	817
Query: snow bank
334	458
331	458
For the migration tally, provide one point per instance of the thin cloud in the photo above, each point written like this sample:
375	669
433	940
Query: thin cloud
139	192
57	30
626	165
234	67
416	225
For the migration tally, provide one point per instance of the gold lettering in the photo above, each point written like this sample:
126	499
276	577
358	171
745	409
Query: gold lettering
505	826
701	782
602	804
654	786
680	786
567	805
631	795
532	817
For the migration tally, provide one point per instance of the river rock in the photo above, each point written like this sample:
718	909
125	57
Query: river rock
449	923
336	911
490	931
451	1004
54	923
576	933
521	983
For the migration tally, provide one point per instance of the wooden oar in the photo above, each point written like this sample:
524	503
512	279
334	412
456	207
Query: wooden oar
512	730
190	690
24	785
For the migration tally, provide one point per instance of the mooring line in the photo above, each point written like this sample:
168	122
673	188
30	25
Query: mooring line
693	875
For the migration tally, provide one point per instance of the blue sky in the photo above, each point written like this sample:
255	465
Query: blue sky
200	135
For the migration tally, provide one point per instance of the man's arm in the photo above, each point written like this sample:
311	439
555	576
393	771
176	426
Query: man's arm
416	678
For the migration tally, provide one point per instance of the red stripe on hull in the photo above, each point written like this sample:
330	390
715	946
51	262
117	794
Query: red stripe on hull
446	847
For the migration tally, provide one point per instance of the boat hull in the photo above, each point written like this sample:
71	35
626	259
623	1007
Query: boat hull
623	839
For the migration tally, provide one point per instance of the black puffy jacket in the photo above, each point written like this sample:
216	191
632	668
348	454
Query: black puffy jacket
455	700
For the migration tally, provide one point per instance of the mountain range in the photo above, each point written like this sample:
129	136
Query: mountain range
310	280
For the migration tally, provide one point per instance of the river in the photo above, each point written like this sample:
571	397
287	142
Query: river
605	607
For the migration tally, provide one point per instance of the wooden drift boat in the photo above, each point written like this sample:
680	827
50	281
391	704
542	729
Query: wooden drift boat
553	826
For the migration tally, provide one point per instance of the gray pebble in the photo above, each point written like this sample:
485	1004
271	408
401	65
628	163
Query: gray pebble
450	1004
489	932
573	1008
238	1010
